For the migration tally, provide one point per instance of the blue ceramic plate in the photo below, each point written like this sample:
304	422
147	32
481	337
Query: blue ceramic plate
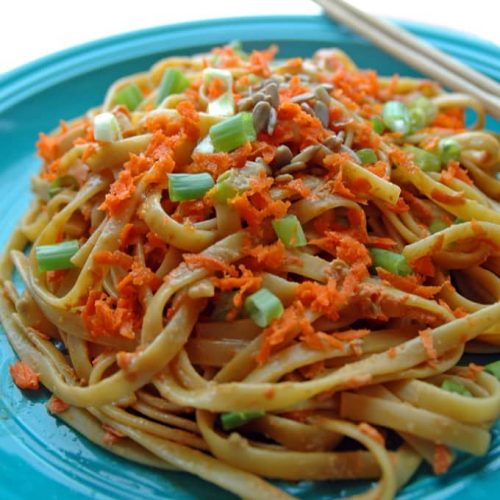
40	456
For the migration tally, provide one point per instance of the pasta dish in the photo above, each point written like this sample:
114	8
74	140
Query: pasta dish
251	268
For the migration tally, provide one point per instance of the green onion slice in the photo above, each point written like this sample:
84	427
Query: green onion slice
57	256
396	117
437	225
393	262
422	112
188	186
367	156
234	419
428	162
173	82
494	369
232	133
224	104
130	96
263	307
106	127
449	149
289	231
454	386
378	125
458	220
58	184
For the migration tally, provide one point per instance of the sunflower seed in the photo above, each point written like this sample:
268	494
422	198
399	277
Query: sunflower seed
322	94
284	178
306	108
272	94
306	154
321	111
305	96
334	141
295	166
283	156
261	113
350	152
271	123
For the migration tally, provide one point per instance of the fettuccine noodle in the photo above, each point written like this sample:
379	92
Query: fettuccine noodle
362	206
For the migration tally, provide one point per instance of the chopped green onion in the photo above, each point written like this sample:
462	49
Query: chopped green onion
225	187
428	162
130	96
437	225
422	112
393	262
263	307
173	82
232	133
224	104
237	180
204	146
458	220
367	156
57	185
235	419
57	256
449	149
289	231
188	186
378	125
396	117
454	386
494	369
106	127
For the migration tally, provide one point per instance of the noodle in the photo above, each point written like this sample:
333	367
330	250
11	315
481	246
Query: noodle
296	305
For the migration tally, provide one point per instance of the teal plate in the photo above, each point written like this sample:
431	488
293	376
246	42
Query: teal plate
39	455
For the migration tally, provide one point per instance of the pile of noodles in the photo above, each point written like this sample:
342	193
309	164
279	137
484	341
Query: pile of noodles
144	342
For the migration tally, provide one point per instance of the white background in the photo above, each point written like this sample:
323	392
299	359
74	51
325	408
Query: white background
33	28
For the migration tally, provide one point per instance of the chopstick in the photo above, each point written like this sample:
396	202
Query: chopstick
417	54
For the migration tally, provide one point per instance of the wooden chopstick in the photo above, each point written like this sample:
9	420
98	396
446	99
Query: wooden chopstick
421	56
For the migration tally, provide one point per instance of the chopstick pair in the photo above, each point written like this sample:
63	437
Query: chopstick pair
419	55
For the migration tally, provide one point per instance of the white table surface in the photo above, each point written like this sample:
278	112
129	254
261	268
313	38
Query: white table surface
30	29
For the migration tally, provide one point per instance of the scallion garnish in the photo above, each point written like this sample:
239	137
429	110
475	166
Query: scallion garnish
173	82
494	369
377	125
57	185
232	133
57	256
454	386
393	262
458	220
224	104
428	162
289	231
422	112
234	419
106	127
396	117
188	186
449	149
367	156
130	96
263	307
437	225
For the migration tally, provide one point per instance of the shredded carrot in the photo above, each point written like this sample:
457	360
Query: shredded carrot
442	459
89	151
215	89
120	191
424	265
392	352
427	342
23	376
111	436
372	433
410	284
210	263
418	207
116	258
358	381
351	334
57	405
313	370
454	171
457	198
47	147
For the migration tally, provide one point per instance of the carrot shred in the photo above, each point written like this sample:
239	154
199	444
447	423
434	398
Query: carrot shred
454	171
111	436
116	258
23	376
457	198
427	342
409	284
424	265
372	433
210	263
120	191
392	352
57	405
442	459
